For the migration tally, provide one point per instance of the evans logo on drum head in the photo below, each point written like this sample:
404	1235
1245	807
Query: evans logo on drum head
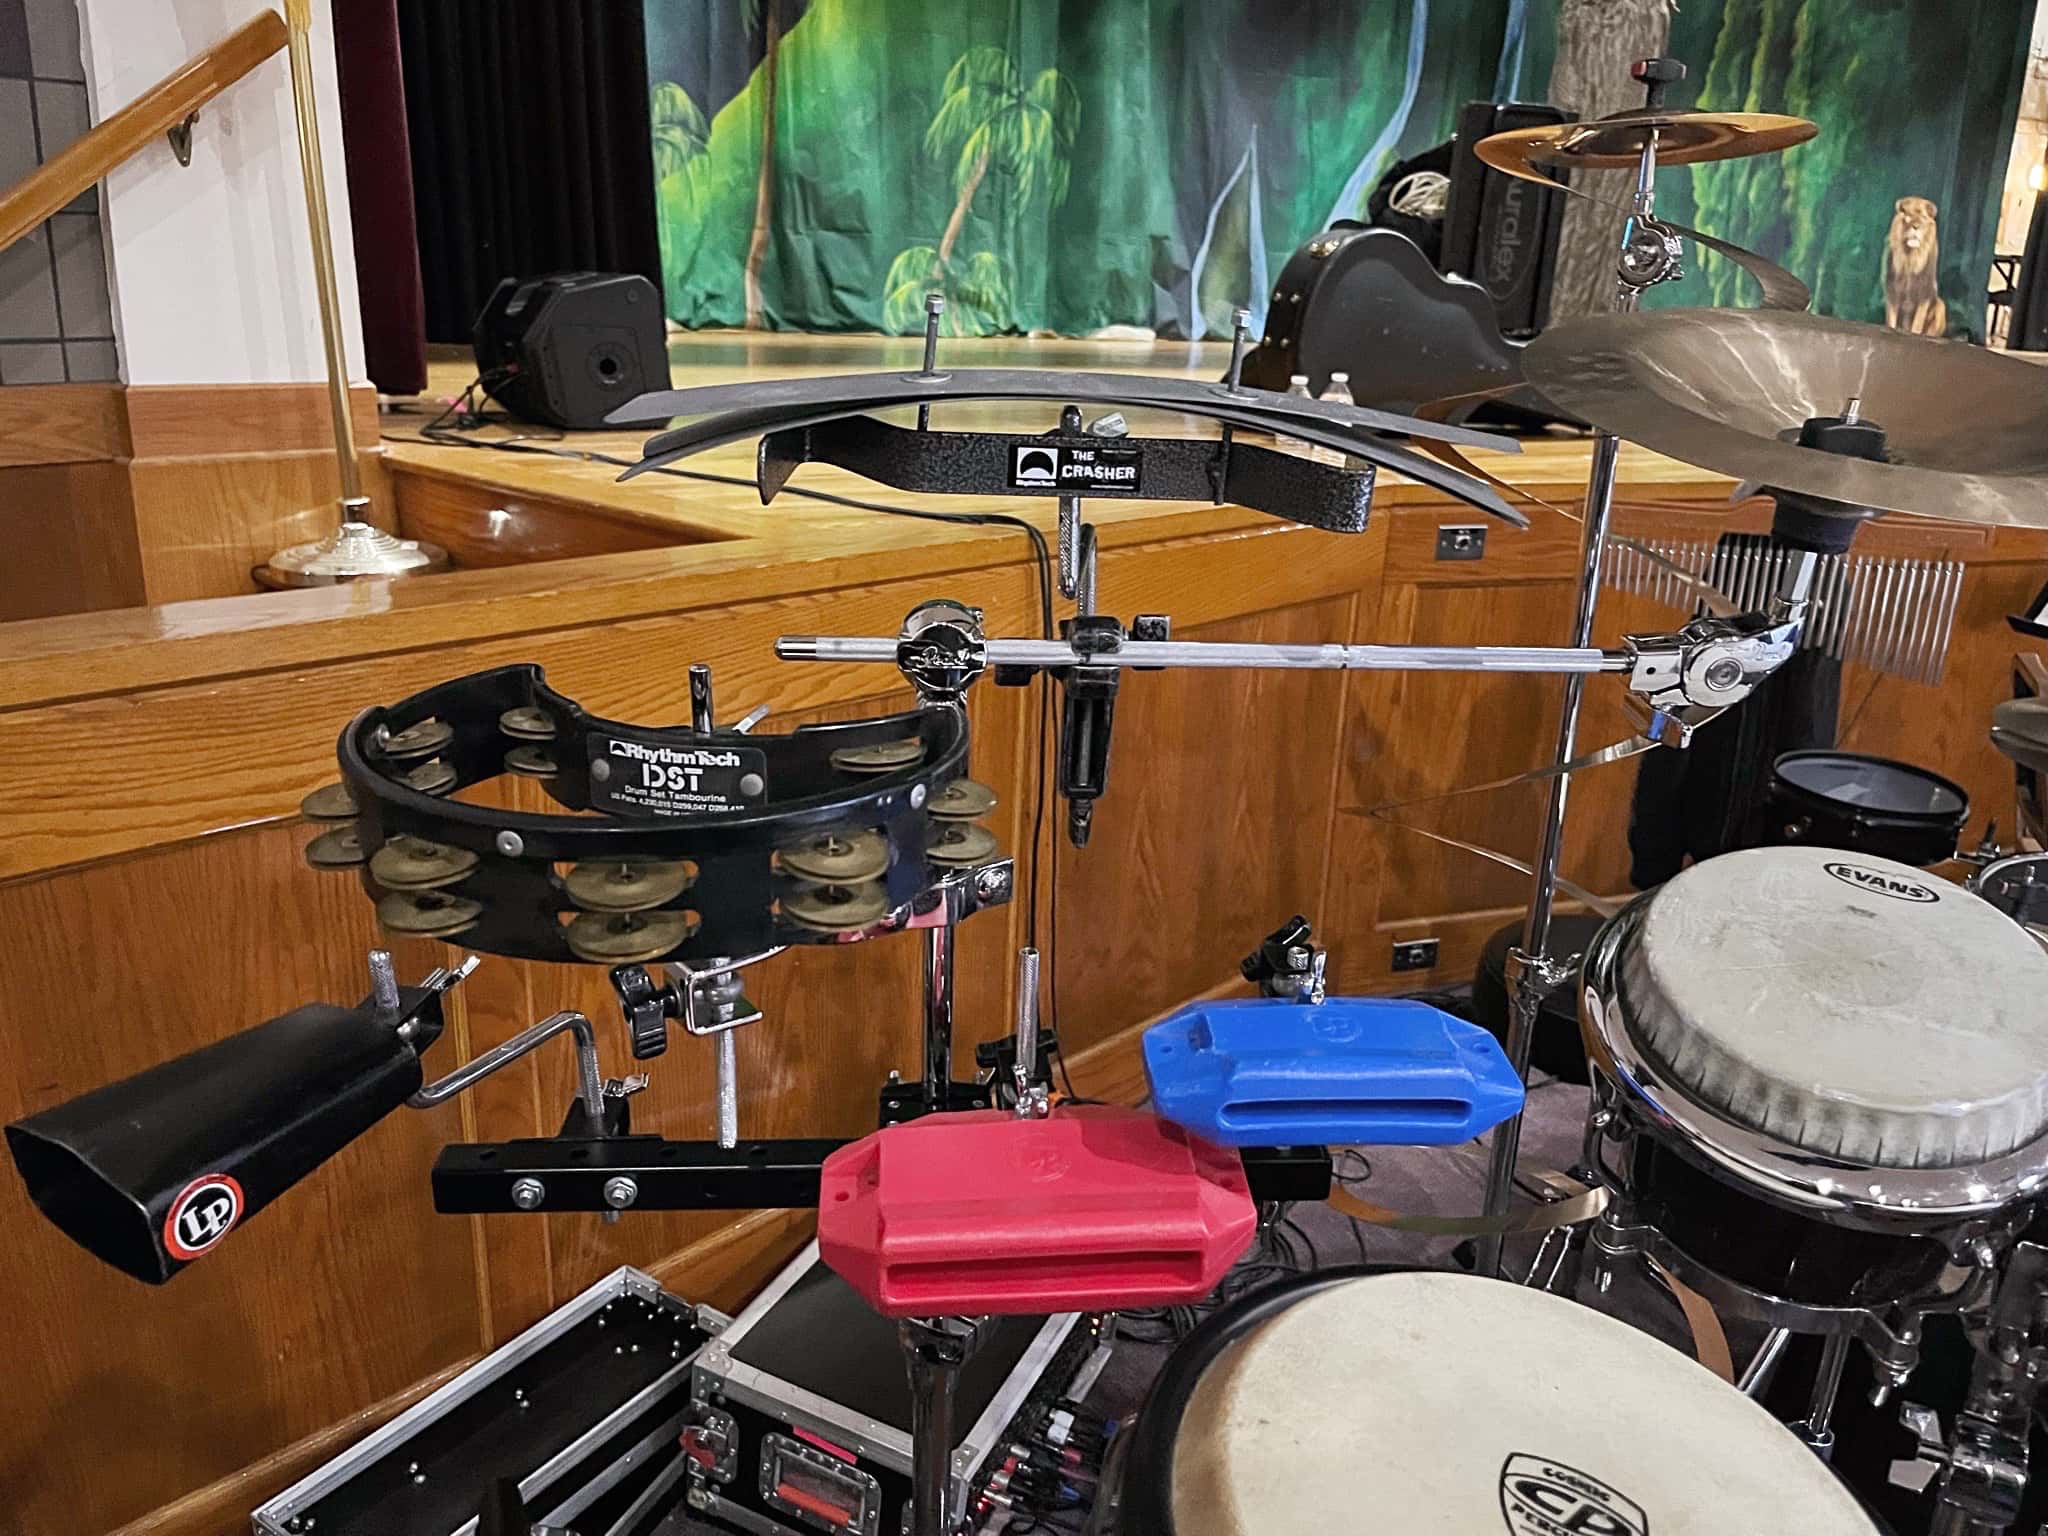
1539	1497
1895	886
1043	467
205	1211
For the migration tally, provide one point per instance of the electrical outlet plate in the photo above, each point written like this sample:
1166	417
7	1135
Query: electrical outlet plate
1414	954
1461	541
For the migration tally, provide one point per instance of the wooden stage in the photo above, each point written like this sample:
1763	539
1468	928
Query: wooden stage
153	896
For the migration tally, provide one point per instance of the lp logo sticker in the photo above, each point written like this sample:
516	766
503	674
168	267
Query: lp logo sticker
1539	1497
205	1211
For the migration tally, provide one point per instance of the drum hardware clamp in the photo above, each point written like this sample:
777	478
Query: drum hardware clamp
1289	964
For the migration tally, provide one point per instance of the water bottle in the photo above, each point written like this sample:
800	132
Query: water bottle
1339	393
1297	388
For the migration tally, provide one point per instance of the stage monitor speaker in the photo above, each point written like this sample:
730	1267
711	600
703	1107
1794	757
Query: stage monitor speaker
1501	231
567	349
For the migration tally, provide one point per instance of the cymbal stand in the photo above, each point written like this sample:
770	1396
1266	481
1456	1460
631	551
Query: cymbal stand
1649	255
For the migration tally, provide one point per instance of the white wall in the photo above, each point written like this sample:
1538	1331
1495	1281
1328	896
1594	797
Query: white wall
211	265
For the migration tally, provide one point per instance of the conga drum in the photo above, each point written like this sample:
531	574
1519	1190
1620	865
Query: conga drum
1427	1403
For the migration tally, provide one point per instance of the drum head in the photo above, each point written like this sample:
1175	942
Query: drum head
1843	1004
1873	784
1438	1404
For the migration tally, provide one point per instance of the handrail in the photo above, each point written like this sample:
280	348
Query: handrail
54	183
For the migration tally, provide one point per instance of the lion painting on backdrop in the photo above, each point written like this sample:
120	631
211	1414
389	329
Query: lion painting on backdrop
1912	270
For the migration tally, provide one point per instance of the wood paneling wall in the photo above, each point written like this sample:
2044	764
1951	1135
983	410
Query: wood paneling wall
158	901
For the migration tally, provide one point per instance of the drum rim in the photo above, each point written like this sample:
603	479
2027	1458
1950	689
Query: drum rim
1811	1183
1927	820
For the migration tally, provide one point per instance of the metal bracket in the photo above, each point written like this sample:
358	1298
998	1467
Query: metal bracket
180	137
1461	541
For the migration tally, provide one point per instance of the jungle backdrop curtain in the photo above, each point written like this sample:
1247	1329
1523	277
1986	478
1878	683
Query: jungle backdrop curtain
1072	164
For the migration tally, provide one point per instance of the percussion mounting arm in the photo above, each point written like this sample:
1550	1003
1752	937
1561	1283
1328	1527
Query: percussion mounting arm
1677	681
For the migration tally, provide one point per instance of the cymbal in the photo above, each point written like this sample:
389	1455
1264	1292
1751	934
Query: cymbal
413	864
622	938
625	887
960	843
2019	729
837	908
962	800
842	857
429	914
1615	143
881	757
1966	430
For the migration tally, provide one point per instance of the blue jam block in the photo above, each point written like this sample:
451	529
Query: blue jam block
1352	1071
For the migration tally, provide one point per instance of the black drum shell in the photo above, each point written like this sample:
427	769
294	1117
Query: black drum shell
1795	813
1733	1232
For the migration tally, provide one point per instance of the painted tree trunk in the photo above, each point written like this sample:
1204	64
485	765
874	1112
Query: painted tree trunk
764	189
959	219
1597	41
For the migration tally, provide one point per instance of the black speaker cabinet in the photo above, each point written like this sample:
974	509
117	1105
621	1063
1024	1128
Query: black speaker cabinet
568	349
1501	231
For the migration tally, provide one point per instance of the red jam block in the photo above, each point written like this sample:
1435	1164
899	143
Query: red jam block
1090	1209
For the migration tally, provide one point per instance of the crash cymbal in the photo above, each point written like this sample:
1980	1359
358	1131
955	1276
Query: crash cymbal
882	757
837	908
2019	729
531	763
414	864
330	802
842	857
1966	430
622	938
962	800
338	848
960	843
427	914
626	887
1615	143
527	723
422	740
436	777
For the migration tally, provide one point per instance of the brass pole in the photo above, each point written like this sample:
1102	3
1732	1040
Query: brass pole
298	15
356	549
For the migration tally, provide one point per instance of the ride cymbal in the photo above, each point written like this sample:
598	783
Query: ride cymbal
2019	729
882	757
330	802
626	887
531	763
837	908
1615	143
527	723
413	864
624	938
838	857
960	843
427	914
962	800
421	740
1966	430
339	848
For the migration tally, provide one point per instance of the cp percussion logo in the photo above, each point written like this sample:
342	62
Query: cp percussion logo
205	1211
1539	1497
1883	884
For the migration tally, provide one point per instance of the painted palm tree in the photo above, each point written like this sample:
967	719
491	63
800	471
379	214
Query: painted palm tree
681	139
989	120
764	17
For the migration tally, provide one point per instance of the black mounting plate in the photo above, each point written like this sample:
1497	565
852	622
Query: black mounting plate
1330	497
